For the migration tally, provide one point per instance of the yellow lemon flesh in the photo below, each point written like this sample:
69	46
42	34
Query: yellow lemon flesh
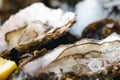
6	68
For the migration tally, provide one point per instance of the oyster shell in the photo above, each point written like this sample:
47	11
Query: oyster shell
33	26
84	58
101	29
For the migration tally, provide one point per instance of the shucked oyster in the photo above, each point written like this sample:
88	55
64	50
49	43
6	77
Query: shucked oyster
86	59
34	25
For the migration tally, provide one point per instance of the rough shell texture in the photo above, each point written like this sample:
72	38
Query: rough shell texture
101	29
36	24
84	58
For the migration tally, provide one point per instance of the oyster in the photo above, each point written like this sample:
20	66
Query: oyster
90	58
101	29
33	26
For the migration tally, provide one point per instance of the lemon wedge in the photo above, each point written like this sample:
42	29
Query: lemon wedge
6	68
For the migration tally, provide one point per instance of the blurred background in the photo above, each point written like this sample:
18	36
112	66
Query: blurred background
87	11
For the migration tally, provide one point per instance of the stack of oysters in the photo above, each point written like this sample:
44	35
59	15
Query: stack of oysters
25	34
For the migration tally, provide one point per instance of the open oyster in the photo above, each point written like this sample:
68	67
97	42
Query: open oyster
33	26
86	59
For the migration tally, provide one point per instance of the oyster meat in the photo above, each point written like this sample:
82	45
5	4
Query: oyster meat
90	58
33	26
